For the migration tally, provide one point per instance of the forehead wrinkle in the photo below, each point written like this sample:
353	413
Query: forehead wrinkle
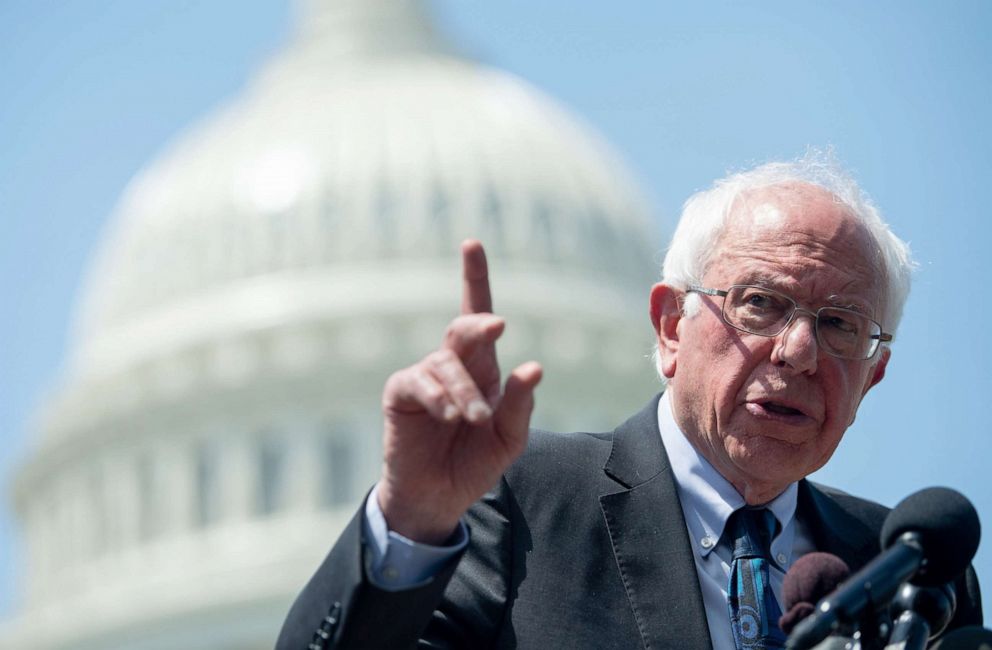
858	306
829	257
797	284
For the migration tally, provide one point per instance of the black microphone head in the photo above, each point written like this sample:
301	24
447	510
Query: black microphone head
972	637
812	577
948	530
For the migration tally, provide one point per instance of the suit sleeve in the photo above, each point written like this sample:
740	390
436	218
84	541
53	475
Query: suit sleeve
460	607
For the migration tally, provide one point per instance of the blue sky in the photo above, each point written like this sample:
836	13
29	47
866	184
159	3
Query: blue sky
90	90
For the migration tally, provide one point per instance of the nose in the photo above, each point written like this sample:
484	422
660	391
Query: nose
796	346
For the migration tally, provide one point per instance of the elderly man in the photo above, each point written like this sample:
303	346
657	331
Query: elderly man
781	289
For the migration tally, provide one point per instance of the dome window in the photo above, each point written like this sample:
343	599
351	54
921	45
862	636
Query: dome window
271	476
337	482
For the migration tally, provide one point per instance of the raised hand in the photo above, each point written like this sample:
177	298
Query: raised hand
450	429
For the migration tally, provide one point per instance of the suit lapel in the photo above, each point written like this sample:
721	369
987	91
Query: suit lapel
834	529
649	538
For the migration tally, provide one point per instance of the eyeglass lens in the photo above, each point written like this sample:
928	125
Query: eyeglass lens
840	332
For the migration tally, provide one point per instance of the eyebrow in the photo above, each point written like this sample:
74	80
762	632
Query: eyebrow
862	308
834	300
762	280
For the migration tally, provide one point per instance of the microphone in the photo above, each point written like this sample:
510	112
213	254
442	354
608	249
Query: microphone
929	537
924	612
948	529
811	577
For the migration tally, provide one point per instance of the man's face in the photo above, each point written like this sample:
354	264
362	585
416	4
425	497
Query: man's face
767	411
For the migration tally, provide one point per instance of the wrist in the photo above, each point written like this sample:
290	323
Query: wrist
409	518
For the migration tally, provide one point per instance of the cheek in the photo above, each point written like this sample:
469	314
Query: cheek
739	363
716	362
844	395
728	379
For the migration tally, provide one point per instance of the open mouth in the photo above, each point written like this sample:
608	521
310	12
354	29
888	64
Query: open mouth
772	410
781	409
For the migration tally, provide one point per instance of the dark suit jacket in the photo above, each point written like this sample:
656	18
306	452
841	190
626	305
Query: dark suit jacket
581	545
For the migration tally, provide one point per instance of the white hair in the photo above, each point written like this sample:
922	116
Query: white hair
705	213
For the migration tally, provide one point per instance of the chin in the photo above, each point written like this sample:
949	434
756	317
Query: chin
770	461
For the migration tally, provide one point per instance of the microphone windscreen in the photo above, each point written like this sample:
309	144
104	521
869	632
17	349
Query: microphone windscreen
812	577
792	616
972	637
948	528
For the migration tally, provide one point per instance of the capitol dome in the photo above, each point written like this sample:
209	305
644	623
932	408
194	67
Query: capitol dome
217	422
366	145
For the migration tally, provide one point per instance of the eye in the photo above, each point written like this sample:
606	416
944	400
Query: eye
759	300
841	322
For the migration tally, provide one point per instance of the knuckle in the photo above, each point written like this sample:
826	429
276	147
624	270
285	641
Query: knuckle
395	381
461	387
440	358
455	330
430	390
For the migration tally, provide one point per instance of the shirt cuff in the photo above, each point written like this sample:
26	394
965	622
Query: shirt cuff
395	562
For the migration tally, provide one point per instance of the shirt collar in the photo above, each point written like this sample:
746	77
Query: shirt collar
707	498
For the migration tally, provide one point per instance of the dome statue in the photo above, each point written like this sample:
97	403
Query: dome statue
218	421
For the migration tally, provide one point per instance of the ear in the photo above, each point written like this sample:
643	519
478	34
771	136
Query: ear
666	312
877	373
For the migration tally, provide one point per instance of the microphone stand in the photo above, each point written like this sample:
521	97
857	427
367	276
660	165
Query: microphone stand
874	629
925	612
910	632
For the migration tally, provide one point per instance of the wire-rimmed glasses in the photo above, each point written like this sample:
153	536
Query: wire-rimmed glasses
841	332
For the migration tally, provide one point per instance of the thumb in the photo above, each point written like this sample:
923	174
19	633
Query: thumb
513	416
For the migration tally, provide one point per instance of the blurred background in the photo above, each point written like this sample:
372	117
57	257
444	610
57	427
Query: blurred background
225	224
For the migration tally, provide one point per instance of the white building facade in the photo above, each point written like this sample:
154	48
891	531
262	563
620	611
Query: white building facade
218	422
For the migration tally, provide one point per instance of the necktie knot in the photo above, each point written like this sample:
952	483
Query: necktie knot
751	531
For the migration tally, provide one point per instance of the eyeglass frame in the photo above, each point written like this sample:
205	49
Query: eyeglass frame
881	337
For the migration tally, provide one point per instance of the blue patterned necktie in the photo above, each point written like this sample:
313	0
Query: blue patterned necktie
754	612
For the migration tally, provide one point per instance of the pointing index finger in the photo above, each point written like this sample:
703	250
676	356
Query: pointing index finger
476	297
